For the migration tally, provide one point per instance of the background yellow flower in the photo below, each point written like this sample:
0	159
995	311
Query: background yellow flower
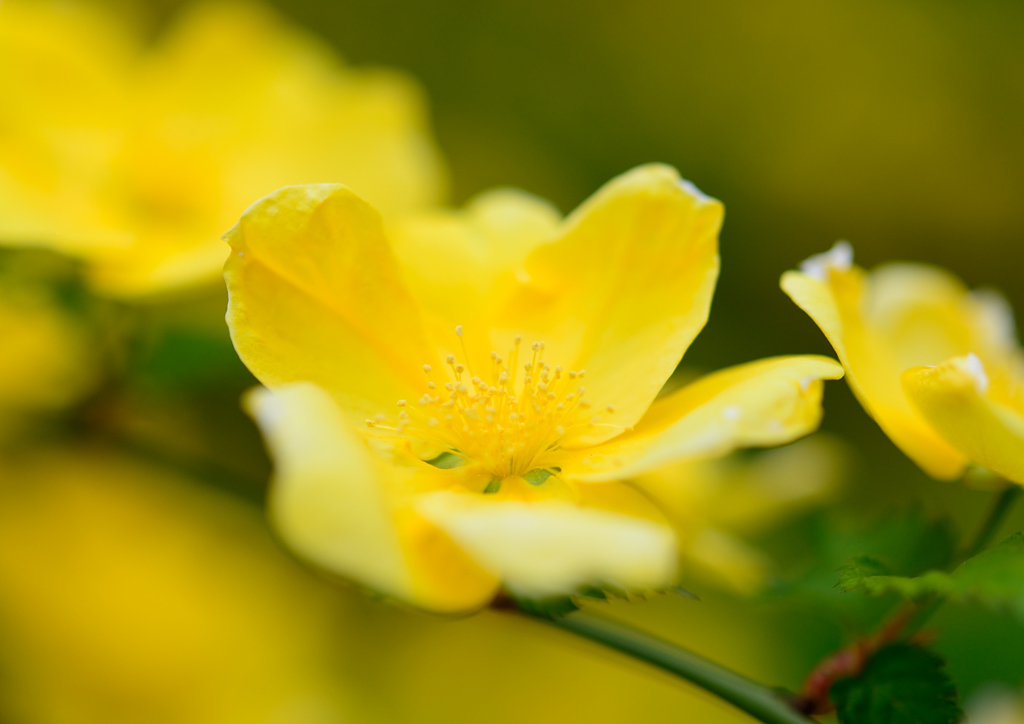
138	157
898	317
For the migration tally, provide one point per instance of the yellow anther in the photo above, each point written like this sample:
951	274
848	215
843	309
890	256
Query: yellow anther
504	424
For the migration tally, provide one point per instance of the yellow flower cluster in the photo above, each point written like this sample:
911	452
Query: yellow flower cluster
459	404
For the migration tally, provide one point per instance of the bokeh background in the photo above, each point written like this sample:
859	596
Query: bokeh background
130	593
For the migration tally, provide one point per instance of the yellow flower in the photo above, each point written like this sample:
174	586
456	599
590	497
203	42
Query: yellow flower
137	159
938	366
48	359
128	594
528	348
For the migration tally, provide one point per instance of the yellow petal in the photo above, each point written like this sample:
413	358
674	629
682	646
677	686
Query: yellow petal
345	509
544	549
959	401
460	264
624	291
759	404
896	317
315	295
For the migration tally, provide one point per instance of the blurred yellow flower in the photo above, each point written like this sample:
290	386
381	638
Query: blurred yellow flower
715	503
139	158
48	358
938	366
341	319
129	594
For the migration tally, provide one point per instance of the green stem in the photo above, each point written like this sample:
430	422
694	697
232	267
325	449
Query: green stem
996	515
755	699
1001	506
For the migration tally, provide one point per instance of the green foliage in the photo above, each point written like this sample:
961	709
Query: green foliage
556	606
994	577
553	607
907	542
901	684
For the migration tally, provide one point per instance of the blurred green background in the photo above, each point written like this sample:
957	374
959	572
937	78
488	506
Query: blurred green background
896	125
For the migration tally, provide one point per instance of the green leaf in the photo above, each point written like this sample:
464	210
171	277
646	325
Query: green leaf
994	577
553	607
538	476
901	684
448	461
493	487
906	544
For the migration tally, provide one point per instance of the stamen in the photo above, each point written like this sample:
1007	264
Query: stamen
506	427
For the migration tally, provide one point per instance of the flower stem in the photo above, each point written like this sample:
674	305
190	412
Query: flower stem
990	525
996	514
755	699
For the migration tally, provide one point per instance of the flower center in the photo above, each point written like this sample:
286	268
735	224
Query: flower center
506	418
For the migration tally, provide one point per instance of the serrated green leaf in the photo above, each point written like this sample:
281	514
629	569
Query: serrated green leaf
994	577
905	544
855	571
901	684
553	607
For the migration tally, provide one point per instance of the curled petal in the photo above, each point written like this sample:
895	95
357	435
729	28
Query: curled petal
316	295
759	404
957	401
